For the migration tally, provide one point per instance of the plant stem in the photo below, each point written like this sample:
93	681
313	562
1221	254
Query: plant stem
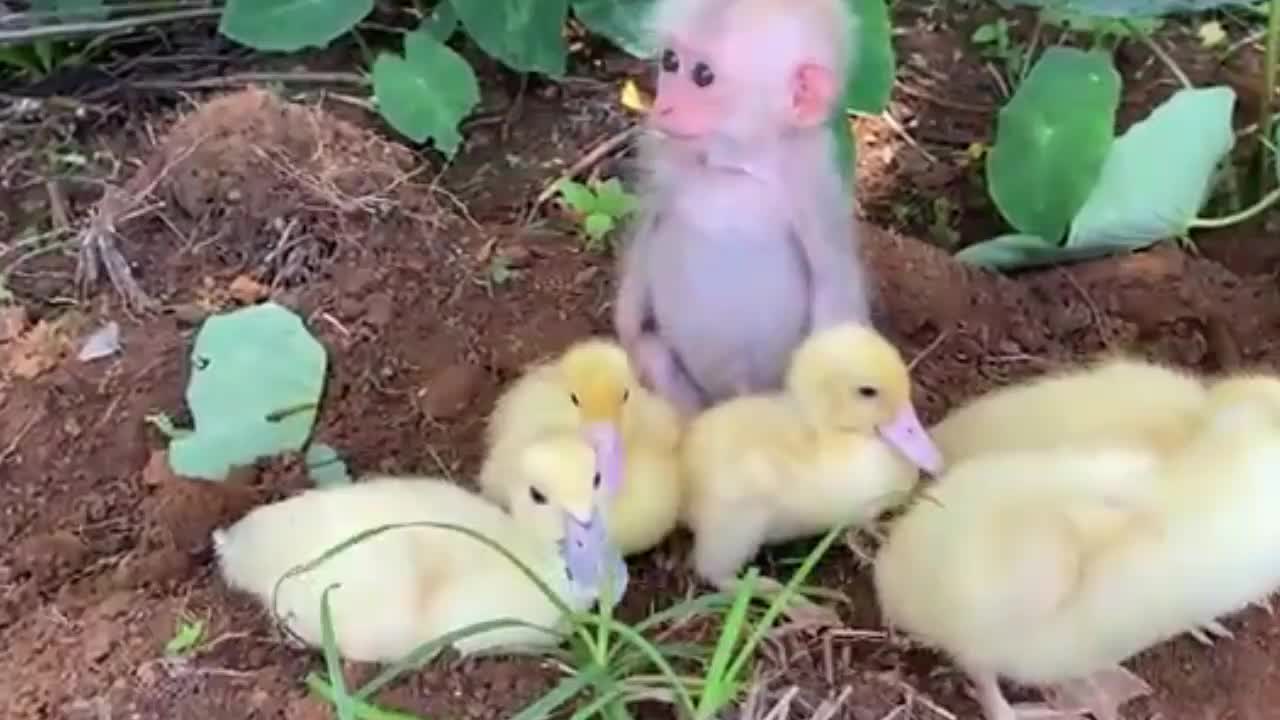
1160	53
1238	217
1267	111
72	30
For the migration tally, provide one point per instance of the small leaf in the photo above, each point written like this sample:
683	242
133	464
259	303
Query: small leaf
442	23
578	196
985	33
1052	139
1158	174
290	25
622	21
1020	252
874	64
613	200
525	35
427	93
255	386
325	467
597	225
186	638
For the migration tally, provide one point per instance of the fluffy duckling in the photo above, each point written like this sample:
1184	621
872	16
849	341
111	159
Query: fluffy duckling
592	391
841	443
1116	401
1050	567
407	586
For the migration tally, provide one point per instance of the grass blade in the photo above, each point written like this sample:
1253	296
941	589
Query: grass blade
333	662
715	693
544	706
363	710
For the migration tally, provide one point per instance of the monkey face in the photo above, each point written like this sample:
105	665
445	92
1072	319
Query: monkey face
690	100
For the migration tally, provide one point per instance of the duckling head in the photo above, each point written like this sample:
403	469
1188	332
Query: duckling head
561	502
599	379
851	379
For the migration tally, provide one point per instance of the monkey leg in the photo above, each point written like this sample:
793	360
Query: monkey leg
659	365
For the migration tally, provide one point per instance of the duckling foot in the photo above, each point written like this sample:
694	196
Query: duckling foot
996	707
1101	694
799	610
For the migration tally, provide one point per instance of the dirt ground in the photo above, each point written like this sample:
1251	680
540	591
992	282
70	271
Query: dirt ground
429	292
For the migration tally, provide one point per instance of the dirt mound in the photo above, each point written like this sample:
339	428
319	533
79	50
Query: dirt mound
425	313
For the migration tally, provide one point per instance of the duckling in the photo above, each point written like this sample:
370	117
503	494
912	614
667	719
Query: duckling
1116	400
1052	566
592	390
407	586
841	443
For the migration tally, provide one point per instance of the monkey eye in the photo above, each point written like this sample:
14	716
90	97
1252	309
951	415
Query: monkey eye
702	75
537	495
867	391
670	61
574	398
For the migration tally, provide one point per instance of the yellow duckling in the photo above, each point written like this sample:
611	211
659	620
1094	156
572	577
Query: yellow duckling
841	443
407	586
1052	566
591	391
1115	401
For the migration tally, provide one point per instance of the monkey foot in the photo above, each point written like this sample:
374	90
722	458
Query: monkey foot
1214	628
1100	694
98	250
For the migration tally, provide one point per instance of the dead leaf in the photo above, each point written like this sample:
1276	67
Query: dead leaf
247	290
633	99
14	321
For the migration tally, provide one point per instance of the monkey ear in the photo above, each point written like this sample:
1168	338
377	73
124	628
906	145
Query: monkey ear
813	91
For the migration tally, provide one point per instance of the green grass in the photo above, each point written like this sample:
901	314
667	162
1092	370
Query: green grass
609	664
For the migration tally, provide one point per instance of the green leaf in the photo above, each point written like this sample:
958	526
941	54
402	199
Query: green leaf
1019	252
578	196
290	25
325	467
597	225
622	21
1052	139
1158	174
427	93
255	386
846	150
187	636
525	35
613	200
442	23
874	65
985	33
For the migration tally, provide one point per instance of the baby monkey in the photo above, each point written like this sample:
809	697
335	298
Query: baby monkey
744	243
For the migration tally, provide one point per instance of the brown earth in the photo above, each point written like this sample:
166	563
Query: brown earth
429	292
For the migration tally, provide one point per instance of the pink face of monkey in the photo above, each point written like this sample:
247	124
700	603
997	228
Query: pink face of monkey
745	85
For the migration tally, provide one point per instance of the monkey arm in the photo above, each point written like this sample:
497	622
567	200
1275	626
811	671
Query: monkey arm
837	283
631	306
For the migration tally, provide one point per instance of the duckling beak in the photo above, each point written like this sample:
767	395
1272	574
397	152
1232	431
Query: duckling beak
610	454
907	434
584	544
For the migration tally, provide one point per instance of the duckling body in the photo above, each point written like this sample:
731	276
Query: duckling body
1117	401
590	391
773	467
407	586
1050	567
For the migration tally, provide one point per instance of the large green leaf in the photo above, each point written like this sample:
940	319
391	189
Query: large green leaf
1132	8
1020	252
69	10
875	65
255	386
290	25
1051	140
622	21
525	35
1157	176
426	93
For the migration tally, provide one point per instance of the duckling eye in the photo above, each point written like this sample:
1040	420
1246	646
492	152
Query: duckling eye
537	496
595	481
626	394
574	398
867	391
